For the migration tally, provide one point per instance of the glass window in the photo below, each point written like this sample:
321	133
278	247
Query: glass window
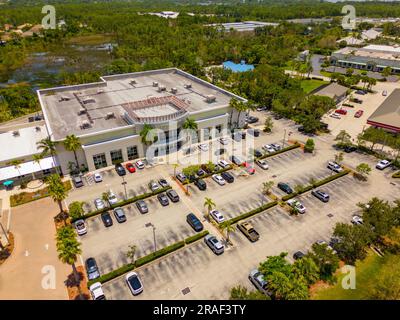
116	156
132	152
99	161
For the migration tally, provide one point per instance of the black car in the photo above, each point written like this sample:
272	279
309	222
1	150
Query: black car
142	206
106	218
362	92
227	177
257	153
219	152
301	129
163	199
173	195
120	169
254	132
119	214
323	196
201	184
285	187
163	183
349	149
201	172
194	222
252	119
92	269
298	255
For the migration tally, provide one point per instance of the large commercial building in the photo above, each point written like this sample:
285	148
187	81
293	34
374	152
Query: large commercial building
108	116
245	26
387	116
371	58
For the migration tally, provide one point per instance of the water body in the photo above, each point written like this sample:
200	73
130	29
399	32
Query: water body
238	67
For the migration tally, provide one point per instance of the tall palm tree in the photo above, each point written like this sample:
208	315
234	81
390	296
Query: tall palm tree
72	143
144	134
189	124
68	249
48	147
241	107
228	228
209	204
57	190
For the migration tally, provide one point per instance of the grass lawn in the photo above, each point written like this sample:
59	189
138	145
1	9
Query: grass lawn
92	39
309	85
366	274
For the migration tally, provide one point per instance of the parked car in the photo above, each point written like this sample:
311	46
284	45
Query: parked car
139	164
262	108
214	244
107	220
254	132
251	119
334	115
120	169
349	149
163	199
171	193
130	167
297	205
285	187
181	177
201	184
383	164
258	153
153	186
119	214
362	92
96	291
236	160
257	279
384	93
99	204
203	147
357	220
223	164
112	198
163	183
248	230
356	100
359	113
323	196
217	216
91	269
262	164
224	140
249	168
334	167
298	255
269	148
78	182
218	179
97	177
227	177
133	281
276	146
341	111
200	172
80	227
194	222
142	206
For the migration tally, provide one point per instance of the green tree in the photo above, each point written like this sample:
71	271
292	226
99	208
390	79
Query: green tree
339	157
309	146
209	204
344	137
268	124
325	259
228	228
130	254
57	190
306	268
363	169
75	209
48	148
105	197
37	158
266	187
146	134
72	144
17	165
241	293
275	264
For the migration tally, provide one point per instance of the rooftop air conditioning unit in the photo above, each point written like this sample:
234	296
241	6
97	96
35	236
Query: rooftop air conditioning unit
132	82
211	98
155	84
85	124
38	129
64	98
82	112
110	115
188	85
162	88
15	133
99	91
88	100
174	90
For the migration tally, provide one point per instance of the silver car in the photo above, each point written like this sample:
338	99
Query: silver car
215	245
99	203
257	278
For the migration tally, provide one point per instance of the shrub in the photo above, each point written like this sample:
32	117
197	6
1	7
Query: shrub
196	237
113	274
396	174
331	178
309	146
253	212
162	252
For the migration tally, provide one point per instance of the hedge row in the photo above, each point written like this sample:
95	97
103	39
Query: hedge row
146	259
316	184
294	146
253	212
396	174
123	203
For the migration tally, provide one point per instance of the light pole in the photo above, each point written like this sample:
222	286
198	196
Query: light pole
124	184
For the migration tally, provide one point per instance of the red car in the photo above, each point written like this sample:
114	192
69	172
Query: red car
359	113
341	111
249	168
130	167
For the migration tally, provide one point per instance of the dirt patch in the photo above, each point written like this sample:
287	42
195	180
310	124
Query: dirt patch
320	285
73	291
4	254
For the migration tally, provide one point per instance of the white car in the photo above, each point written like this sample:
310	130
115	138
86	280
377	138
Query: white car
297	205
99	204
335	115
97	177
218	179
224	140
97	291
357	220
268	148
139	164
223	164
276	146
383	164
334	166
384	93
217	216
133	281
262	164
203	147
112	198
80	227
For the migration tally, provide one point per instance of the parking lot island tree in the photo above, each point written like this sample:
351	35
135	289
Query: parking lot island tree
241	293
228	228
363	170
267	186
344	137
339	157
209	204
309	146
57	190
268	124
75	209
73	144
130	254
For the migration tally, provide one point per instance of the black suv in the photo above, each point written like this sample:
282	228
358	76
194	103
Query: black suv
201	184
227	177
120	169
285	187
107	220
194	222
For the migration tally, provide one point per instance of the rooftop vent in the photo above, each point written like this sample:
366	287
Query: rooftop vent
174	90
99	91
64	98
37	129
82	112
85	124
132	82
188	85
15	133
88	100
155	84
110	115
162	88
211	98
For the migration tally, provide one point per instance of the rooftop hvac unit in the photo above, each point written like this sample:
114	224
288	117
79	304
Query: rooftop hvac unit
38	129
188	85
15	133
110	115
132	82
82	112
99	91
85	124
88	100
161	88
64	98
211	98
174	90
155	84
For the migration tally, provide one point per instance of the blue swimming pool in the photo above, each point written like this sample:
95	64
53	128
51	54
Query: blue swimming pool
238	67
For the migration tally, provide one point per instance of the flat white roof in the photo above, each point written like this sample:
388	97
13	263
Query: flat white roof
383	48
21	143
26	168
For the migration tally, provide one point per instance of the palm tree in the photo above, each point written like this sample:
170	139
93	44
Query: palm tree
228	227
105	197
17	165
266	187
57	190
144	133
241	107
209	204
68	248
72	143
37	158
189	125
48	147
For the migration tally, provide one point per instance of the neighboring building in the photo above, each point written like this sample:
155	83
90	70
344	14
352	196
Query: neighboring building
242	26
387	116
21	144
366	35
333	90
310	20
108	116
165	14
303	56
371	58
